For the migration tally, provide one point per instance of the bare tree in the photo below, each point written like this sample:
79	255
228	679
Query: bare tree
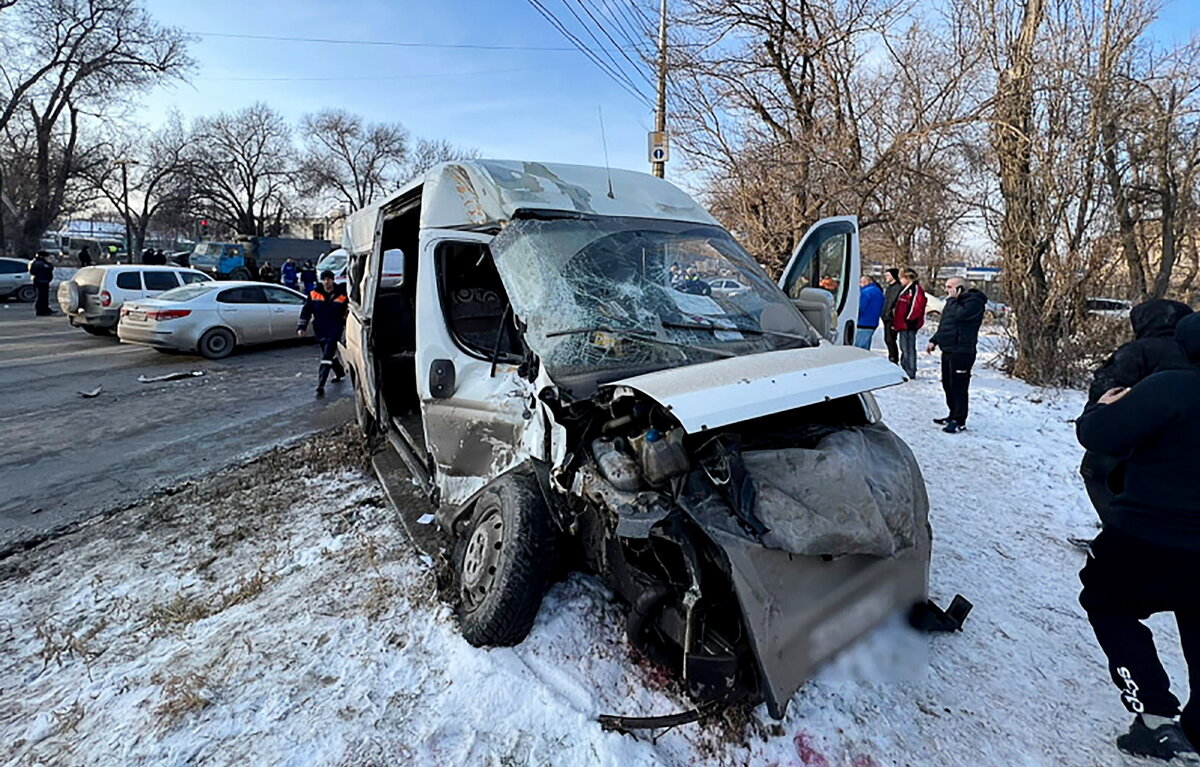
155	181
354	160
429	152
64	58
243	168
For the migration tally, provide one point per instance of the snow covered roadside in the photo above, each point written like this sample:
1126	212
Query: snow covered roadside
259	618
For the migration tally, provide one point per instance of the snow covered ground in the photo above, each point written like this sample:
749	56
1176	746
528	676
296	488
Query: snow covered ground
268	618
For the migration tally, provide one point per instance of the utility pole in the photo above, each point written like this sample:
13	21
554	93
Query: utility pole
658	142
125	162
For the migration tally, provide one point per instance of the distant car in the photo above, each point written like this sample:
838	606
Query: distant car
1108	307
934	306
336	262
93	297
16	281
996	312
213	318
727	287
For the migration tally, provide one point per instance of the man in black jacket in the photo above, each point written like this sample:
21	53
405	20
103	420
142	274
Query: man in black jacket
326	306
958	335
1147	558
890	294
42	272
1153	349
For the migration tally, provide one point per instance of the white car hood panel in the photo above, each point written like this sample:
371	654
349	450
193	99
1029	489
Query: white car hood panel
715	394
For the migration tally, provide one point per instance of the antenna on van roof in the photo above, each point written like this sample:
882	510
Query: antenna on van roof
604	141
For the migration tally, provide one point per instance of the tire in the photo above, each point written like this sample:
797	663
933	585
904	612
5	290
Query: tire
366	424
240	274
933	316
96	331
69	297
27	294
502	563
216	343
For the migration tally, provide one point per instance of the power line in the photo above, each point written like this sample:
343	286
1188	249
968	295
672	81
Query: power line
583	48
382	77
390	43
603	29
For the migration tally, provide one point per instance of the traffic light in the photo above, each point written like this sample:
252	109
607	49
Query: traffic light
204	227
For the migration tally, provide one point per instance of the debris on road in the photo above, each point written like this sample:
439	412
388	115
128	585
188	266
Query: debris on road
170	376
93	393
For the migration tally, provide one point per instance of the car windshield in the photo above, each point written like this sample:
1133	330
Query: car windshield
613	293
334	262
187	292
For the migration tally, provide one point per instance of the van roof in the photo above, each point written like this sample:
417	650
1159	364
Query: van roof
478	193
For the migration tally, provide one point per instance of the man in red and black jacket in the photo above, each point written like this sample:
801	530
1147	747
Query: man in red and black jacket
326	306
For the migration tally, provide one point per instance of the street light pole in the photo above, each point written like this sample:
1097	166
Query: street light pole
125	162
658	167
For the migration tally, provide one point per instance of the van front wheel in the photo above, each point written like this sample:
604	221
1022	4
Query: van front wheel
502	562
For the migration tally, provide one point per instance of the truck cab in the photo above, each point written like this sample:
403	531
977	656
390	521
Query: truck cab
535	342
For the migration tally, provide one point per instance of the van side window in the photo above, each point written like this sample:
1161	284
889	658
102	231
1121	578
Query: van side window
474	301
129	281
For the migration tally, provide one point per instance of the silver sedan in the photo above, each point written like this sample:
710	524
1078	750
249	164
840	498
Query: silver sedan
212	317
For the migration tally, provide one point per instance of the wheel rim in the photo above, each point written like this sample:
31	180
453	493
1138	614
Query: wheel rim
482	558
218	343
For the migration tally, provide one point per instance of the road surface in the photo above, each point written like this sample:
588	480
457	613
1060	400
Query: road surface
64	458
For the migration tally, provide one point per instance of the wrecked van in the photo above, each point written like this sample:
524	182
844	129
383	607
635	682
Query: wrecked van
556	379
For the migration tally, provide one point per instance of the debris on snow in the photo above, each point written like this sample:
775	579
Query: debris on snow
170	376
93	393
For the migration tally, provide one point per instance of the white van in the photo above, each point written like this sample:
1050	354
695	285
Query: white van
570	403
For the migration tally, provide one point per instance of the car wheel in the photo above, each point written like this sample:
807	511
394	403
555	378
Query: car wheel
933	316
366	424
27	294
502	563
217	343
96	331
989	317
240	274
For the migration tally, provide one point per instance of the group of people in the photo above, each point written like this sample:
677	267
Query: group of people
291	275
154	257
900	308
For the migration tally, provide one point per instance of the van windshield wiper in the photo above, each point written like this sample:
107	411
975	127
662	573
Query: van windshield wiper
640	335
734	329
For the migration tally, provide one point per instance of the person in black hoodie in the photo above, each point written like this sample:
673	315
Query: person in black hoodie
43	273
1153	349
958	335
890	294
1146	560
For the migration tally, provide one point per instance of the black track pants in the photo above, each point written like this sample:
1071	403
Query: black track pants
329	360
956	380
41	304
1125	581
889	339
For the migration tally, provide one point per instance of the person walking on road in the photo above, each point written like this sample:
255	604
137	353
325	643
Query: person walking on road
870	307
958	336
326	306
289	274
308	277
42	272
85	257
1146	560
890	294
908	316
1153	349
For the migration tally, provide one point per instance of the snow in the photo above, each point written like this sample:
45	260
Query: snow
286	622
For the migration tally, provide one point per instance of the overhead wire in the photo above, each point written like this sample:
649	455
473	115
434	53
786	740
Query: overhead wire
391	43
637	67
583	48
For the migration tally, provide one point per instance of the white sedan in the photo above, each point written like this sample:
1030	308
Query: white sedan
212	317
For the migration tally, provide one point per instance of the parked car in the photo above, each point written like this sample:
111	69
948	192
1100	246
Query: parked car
93	297
934	306
568	408
213	318
727	286
997	312
1108	307
16	281
337	262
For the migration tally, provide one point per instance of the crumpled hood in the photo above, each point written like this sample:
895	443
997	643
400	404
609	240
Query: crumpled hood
1187	333
718	393
1157	318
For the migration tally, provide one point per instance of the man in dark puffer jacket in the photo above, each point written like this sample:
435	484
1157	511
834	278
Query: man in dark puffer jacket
958	335
1147	558
1153	349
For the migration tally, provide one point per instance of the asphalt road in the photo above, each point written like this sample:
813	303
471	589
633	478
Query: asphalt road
64	458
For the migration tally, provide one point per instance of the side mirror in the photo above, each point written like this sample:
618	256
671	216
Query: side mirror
392	274
441	379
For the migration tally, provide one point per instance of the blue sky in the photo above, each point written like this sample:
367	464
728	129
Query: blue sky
505	103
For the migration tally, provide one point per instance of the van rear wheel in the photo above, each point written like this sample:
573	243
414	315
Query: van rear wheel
216	343
503	561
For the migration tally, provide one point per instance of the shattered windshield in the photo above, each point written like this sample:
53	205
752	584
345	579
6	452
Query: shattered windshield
606	293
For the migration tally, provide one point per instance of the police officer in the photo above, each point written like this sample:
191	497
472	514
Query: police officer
43	272
326	306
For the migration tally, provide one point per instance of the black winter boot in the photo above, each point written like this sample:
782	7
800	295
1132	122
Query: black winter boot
1166	741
